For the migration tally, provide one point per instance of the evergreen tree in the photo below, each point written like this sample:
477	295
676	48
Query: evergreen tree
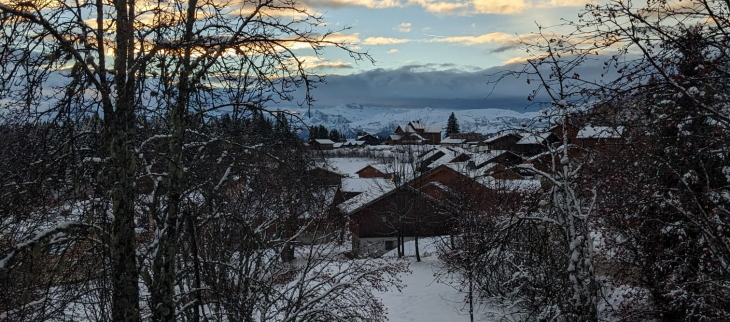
319	132
334	135
452	126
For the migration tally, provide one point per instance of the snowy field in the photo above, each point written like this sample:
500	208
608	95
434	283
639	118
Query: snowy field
425	298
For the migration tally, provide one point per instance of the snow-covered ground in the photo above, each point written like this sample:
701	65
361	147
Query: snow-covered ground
427	298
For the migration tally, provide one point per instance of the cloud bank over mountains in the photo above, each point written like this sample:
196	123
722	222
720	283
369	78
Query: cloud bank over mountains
440	86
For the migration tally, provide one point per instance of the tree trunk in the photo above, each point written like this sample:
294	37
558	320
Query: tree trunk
121	177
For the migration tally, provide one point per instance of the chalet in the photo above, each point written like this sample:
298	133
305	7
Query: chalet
416	132
353	144
352	187
499	171
438	156
593	136
369	139
503	157
448	141
504	141
570	130
422	206
535	143
375	171
321	144
462	139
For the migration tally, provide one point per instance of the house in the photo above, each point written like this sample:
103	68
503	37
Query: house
503	157
504	141
369	139
352	187
353	144
321	144
471	137
442	155
569	129
593	136
499	171
416	132
535	143
375	171
448	141
422	206
462	139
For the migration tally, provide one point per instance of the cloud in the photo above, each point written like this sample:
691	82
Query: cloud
335	4
404	27
440	86
453	7
370	41
314	62
392	51
494	37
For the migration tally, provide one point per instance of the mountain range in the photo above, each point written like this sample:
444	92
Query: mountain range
349	119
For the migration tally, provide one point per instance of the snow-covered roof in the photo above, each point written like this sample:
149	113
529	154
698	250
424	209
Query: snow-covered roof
482	158
516	185
448	155
324	141
354	143
361	200
413	137
452	141
338	145
600	132
535	138
380	167
416	125
497	137
463	168
366	184
394	137
432	129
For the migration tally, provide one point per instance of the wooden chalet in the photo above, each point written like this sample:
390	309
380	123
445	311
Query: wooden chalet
369	139
416	132
504	141
597	136
503	157
375	171
437	156
499	171
423	206
533	144
463	139
570	129
321	144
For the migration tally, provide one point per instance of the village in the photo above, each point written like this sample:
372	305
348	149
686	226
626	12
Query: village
416	184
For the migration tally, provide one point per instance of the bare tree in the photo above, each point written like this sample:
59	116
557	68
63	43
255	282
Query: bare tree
127	63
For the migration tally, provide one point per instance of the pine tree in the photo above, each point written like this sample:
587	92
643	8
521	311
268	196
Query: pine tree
452	126
334	135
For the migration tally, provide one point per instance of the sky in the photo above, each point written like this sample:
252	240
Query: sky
435	53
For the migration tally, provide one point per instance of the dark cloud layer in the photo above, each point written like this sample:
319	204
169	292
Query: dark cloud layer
433	86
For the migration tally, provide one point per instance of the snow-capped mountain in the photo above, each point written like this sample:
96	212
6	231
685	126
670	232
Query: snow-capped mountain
350	118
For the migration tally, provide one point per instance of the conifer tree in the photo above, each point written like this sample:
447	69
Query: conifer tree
452	126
